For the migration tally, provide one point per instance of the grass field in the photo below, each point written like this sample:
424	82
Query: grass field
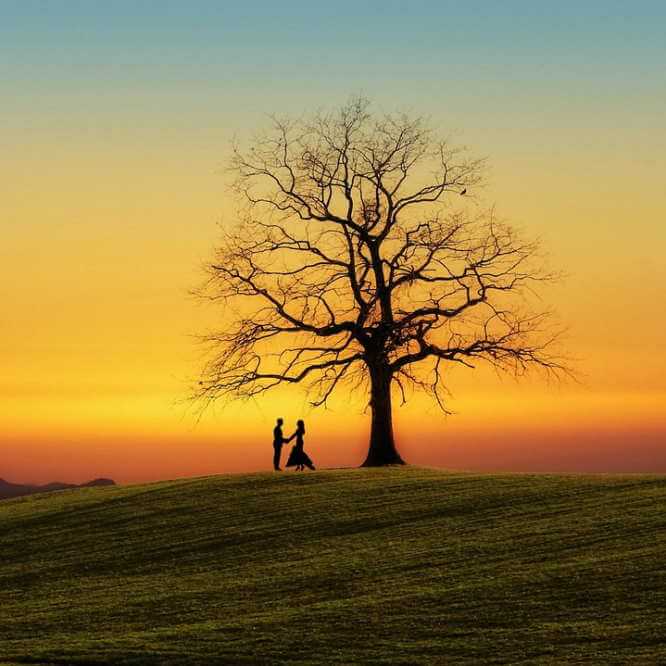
394	566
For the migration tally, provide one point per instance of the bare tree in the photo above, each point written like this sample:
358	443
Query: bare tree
356	261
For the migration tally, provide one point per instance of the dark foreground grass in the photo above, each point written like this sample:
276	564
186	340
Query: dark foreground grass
396	566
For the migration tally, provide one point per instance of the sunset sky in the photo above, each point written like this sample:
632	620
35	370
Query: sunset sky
115	132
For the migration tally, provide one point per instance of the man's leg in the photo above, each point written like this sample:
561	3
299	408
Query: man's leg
276	457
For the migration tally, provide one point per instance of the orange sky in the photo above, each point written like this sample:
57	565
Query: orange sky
101	250
112	183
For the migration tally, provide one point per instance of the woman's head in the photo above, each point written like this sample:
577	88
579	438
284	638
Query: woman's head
300	425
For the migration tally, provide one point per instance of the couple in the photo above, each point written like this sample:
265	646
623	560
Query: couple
297	457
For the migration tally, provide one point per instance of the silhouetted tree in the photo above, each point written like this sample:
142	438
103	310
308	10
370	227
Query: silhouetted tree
350	263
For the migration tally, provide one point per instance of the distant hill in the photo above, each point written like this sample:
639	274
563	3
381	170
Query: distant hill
388	566
9	490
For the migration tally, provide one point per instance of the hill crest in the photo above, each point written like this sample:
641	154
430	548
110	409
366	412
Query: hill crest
9	490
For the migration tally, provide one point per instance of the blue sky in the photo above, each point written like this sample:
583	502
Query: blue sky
380	36
480	60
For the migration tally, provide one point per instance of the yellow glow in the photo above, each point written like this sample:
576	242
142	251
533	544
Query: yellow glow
100	246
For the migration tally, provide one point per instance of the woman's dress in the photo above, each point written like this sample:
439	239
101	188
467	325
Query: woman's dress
297	456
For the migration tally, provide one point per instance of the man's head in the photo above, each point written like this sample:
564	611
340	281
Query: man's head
280	421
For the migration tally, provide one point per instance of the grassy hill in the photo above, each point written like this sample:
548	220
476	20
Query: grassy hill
336	567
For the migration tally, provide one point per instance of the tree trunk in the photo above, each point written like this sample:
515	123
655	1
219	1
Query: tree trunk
382	449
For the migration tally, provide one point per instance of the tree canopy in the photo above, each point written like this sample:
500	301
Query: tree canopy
361	256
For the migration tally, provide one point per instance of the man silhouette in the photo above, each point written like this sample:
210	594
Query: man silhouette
278	441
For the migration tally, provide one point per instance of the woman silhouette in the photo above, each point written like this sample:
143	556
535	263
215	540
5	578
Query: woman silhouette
298	457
